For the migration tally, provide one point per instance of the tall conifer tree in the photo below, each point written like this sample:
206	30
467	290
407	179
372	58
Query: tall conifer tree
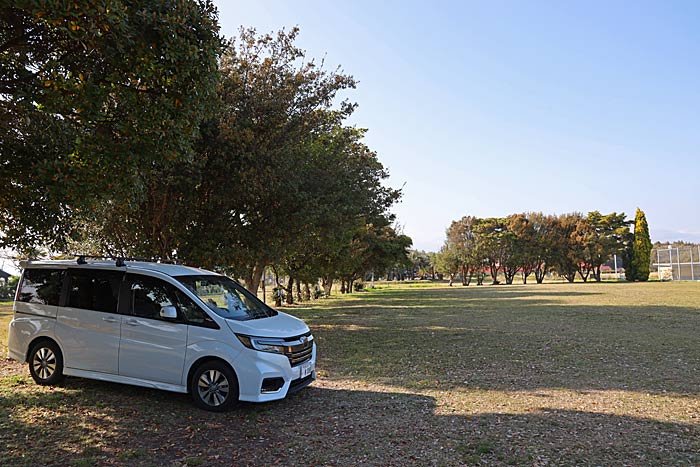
641	249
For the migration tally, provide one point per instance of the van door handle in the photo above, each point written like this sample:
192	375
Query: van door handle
110	320
133	322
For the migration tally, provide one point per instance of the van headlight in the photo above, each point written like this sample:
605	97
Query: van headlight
263	344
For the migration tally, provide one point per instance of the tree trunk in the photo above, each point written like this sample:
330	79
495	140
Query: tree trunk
584	277
277	276
307	292
278	298
350	285
252	279
327	284
494	273
540	272
509	274
298	291
290	291
342	286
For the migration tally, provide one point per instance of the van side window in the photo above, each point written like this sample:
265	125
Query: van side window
41	286
193	313
94	290
148	295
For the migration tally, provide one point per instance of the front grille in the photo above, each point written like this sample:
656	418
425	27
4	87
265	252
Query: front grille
301	352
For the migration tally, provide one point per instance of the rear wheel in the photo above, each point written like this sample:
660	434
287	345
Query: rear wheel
46	363
214	386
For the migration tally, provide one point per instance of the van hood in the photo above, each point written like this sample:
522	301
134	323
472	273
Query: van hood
281	325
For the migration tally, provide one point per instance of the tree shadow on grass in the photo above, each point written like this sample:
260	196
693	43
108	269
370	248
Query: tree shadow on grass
461	293
531	346
459	298
97	423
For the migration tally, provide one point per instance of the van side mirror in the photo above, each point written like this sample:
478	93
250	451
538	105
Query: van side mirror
168	312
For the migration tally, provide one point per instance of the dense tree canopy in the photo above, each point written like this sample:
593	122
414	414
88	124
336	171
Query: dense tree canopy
132	128
92	95
568	244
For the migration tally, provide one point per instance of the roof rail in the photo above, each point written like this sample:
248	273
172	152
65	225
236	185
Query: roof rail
121	260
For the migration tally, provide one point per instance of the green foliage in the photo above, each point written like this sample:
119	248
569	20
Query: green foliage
376	248
278	179
7	291
532	243
641	250
93	94
422	263
565	250
463	251
496	241
596	238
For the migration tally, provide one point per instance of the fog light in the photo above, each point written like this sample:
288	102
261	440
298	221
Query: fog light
271	385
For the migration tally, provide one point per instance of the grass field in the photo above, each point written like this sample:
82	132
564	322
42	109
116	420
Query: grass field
416	374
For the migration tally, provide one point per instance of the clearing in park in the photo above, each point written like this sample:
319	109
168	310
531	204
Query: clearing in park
415	374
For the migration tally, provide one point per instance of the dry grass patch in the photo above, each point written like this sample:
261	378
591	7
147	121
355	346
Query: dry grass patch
559	374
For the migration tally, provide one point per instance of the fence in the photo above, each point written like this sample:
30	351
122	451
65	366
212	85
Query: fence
677	263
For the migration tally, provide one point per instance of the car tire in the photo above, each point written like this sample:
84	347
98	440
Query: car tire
46	363
214	386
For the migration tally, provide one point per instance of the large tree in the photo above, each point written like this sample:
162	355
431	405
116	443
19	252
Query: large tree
278	179
522	255
541	243
566	249
496	243
463	246
448	262
91	95
611	232
595	239
375	247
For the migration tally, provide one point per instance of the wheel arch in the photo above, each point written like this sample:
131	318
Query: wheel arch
202	360
39	339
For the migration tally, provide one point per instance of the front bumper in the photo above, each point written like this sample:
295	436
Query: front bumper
299	384
252	367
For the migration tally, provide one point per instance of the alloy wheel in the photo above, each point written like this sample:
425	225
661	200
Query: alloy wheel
44	363
213	387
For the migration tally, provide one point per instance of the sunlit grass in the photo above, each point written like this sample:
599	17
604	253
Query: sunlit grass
417	374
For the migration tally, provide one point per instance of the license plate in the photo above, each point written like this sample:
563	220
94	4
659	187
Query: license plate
306	369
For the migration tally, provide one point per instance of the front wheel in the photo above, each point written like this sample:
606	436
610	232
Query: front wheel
214	387
46	363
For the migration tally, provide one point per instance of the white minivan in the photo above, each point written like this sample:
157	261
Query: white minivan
164	326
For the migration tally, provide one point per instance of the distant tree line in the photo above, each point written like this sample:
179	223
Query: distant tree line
137	130
534	244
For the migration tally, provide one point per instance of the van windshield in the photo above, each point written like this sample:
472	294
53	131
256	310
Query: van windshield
226	298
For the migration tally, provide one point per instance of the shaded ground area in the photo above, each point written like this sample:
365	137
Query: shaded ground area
582	374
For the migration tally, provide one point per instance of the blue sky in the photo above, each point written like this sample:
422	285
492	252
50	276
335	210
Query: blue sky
496	107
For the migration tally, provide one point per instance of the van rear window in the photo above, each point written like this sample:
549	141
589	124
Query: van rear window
94	290
41	286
